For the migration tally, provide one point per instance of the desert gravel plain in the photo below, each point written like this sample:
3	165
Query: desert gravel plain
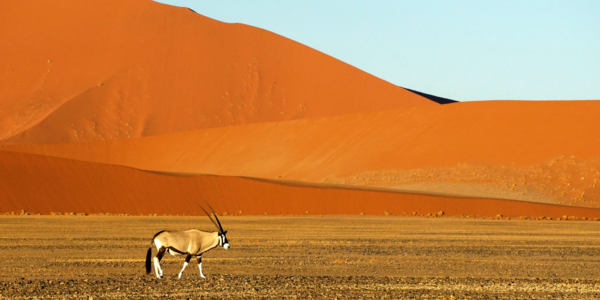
102	257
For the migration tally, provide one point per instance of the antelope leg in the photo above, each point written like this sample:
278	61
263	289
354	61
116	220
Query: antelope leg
200	266
187	261
156	267
157	258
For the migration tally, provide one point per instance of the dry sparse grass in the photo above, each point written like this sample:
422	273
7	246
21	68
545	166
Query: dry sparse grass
351	256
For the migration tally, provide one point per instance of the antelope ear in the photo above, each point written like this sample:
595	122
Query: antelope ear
225	232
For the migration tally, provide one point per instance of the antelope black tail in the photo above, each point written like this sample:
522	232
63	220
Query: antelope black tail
148	259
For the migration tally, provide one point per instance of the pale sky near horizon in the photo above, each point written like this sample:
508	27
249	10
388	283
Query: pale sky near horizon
462	50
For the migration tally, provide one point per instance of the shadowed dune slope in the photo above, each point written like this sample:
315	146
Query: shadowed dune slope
440	100
501	132
93	70
42	184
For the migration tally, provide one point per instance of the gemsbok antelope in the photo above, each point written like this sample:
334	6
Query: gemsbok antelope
190	243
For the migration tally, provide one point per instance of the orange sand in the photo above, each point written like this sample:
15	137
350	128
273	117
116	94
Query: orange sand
504	132
159	88
359	149
107	69
42	184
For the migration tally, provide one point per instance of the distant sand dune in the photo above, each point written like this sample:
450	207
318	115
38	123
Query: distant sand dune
535	151
563	180
42	184
99	87
102	70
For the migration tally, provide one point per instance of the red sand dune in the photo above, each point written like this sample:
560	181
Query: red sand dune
503	132
91	70
503	135
116	84
43	184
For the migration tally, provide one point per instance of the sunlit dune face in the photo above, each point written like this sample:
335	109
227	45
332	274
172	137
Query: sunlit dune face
159	69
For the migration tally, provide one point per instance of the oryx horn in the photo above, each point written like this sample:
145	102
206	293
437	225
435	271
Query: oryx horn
221	227
208	215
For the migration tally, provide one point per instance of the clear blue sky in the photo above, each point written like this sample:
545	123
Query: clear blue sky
463	50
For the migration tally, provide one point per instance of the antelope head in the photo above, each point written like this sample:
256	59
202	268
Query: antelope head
222	233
